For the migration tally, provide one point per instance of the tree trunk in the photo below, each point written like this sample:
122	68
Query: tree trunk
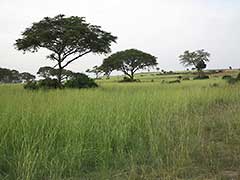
200	73
59	77
132	75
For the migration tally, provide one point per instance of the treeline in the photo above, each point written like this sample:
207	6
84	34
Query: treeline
14	76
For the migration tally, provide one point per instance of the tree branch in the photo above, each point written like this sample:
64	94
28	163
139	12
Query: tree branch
76	58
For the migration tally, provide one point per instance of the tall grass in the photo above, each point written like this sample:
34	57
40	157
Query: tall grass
120	131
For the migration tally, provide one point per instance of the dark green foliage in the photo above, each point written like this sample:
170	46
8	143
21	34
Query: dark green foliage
68	38
80	81
201	77
31	85
9	76
186	78
49	72
227	77
214	85
13	76
201	65
238	77
48	83
234	80
127	79
128	61
46	72
174	81
42	84
25	76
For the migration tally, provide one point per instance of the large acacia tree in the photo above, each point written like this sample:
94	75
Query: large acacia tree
197	59
129	62
68	39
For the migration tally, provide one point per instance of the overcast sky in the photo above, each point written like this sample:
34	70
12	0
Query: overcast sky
164	28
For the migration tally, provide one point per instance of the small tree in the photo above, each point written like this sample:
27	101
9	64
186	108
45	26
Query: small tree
49	72
27	76
45	72
197	59
129	61
69	38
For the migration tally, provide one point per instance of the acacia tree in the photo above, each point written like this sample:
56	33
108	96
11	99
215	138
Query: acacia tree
68	38
197	59
129	62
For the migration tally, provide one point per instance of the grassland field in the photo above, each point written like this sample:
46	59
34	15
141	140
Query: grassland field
144	130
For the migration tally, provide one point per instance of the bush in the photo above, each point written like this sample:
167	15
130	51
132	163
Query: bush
31	85
238	77
174	81
80	80
201	77
127	79
232	80
186	78
48	84
227	77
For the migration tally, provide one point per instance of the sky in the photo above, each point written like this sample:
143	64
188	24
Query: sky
163	28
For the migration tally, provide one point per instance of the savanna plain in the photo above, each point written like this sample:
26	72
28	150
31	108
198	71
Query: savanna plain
142	130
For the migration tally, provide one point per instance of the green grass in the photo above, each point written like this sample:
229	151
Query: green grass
121	131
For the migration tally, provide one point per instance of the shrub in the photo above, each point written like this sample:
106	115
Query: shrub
80	80
48	83
31	85
126	79
214	85
238	77
174	81
186	78
227	77
232	80
201	77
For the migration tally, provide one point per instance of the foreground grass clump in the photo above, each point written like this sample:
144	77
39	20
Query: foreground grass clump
120	131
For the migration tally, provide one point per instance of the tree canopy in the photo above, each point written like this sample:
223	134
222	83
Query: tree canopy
68	38
197	59
49	72
129	62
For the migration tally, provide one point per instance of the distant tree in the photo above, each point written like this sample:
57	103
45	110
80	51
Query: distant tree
95	70
45	72
197	59
15	76
9	76
230	67
158	69
25	76
129	61
5	75
107	68
69	38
